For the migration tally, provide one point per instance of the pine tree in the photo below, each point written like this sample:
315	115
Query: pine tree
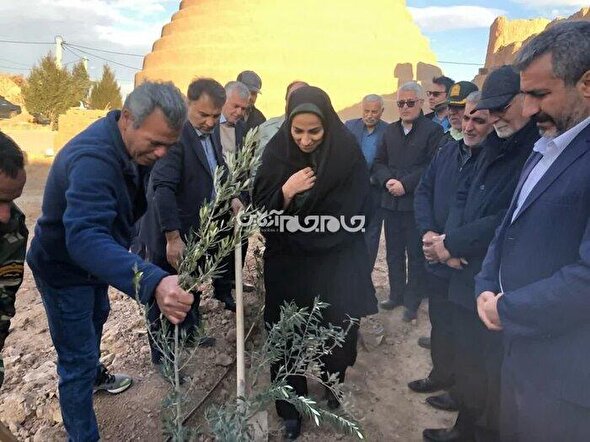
80	84
48	89
106	94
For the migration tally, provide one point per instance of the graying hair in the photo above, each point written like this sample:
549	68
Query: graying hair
371	98
473	97
148	96
239	87
569	45
412	86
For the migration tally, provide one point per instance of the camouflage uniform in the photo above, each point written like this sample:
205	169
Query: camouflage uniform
13	242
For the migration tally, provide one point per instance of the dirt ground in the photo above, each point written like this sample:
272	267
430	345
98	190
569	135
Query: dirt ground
390	358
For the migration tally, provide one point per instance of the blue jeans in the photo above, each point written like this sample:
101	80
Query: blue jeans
76	316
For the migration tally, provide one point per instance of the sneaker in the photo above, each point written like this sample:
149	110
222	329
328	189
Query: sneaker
111	383
409	315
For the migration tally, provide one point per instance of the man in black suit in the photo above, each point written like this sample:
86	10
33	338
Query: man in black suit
177	189
405	151
534	286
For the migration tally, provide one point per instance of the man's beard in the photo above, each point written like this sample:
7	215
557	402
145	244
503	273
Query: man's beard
580	110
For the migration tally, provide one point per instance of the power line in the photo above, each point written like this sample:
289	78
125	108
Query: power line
15	69
104	50
14	62
75	55
459	62
28	42
102	58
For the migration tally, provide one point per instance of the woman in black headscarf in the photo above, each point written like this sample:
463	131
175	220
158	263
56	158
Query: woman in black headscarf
314	167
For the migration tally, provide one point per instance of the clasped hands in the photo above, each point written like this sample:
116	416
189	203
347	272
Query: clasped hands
395	187
434	249
487	309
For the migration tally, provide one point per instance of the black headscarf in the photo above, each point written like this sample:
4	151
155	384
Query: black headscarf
342	177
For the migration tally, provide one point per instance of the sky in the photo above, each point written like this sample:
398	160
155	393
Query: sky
457	30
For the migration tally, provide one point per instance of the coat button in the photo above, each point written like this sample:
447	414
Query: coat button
482	187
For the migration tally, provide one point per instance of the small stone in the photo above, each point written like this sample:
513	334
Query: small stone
230	336
224	360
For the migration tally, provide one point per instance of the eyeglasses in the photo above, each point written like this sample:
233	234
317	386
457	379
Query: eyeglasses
501	110
409	103
435	94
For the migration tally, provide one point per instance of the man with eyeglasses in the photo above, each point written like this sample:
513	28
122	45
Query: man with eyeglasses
438	101
479	208
405	151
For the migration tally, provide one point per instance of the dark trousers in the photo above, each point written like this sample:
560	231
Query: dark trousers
403	242
532	414
335	363
478	361
76	316
228	276
374	225
190	325
440	311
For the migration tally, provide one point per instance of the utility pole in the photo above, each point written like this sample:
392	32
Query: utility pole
58	50
85	63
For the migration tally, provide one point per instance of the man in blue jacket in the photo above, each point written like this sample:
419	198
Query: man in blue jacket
93	196
368	131
535	281
454	162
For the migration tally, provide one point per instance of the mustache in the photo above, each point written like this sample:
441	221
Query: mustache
542	117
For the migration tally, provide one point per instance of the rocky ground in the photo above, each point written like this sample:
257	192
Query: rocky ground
388	359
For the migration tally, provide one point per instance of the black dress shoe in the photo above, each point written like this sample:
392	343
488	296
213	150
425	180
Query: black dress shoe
442	401
424	342
292	428
332	401
425	385
446	435
389	304
202	341
230	304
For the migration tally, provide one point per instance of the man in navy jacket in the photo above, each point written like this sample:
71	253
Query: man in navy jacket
453	163
535	280
93	196
368	131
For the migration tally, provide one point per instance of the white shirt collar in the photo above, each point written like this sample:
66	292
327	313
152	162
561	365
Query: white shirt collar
546	145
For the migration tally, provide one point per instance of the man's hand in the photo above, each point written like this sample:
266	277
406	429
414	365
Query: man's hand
487	309
398	189
436	250
236	206
299	182
174	248
454	263
173	302
427	242
389	185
